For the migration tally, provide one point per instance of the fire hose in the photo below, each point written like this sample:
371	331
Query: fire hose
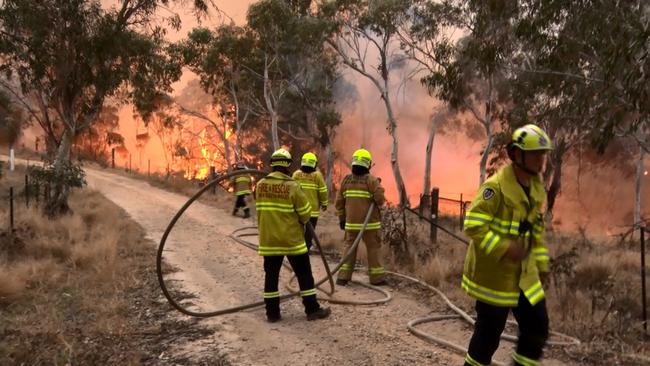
238	234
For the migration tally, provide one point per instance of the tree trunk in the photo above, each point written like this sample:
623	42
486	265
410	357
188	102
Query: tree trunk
330	169
554	175
427	164
58	202
392	128
486	151
637	188
271	108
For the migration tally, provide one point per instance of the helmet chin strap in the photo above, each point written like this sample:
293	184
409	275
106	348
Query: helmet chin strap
522	165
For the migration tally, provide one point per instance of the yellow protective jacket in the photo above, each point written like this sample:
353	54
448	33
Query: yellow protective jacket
354	198
492	221
241	184
315	189
282	210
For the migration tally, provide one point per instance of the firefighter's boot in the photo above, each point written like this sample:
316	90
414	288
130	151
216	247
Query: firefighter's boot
321	313
247	213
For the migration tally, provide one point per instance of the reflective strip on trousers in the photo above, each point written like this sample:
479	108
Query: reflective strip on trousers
523	360
472	361
346	268
357	227
271	295
309	292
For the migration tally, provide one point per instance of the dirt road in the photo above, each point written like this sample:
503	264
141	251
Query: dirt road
222	273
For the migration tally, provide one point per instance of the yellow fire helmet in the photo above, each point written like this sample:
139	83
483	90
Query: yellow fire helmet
531	138
281	157
309	160
362	158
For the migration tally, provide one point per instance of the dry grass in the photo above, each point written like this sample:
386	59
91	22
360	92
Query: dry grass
75	290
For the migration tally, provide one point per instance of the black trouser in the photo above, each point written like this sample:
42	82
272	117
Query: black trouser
302	269
491	320
241	201
309	237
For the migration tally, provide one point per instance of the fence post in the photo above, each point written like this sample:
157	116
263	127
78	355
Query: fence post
11	209
213	174
461	217
129	163
148	167
643	285
113	158
433	234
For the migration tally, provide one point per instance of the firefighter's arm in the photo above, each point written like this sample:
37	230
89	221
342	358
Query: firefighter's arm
322	192
377	192
257	212
339	203
540	250
301	204
478	219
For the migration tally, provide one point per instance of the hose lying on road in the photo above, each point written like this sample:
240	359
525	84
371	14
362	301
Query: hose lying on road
238	234
234	309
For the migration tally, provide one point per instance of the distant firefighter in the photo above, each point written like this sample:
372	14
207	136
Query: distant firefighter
242	188
312	183
358	190
507	258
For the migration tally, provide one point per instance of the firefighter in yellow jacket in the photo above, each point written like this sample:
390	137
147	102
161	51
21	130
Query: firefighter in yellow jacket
358	190
242	188
312	183
507	255
282	210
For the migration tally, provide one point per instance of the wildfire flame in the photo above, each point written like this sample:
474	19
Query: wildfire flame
210	156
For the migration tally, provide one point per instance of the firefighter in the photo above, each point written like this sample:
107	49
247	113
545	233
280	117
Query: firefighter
242	188
358	190
507	258
282	210
312	183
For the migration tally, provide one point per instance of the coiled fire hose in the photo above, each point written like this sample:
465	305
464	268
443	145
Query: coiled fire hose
238	234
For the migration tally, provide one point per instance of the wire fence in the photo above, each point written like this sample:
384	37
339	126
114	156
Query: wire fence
32	194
